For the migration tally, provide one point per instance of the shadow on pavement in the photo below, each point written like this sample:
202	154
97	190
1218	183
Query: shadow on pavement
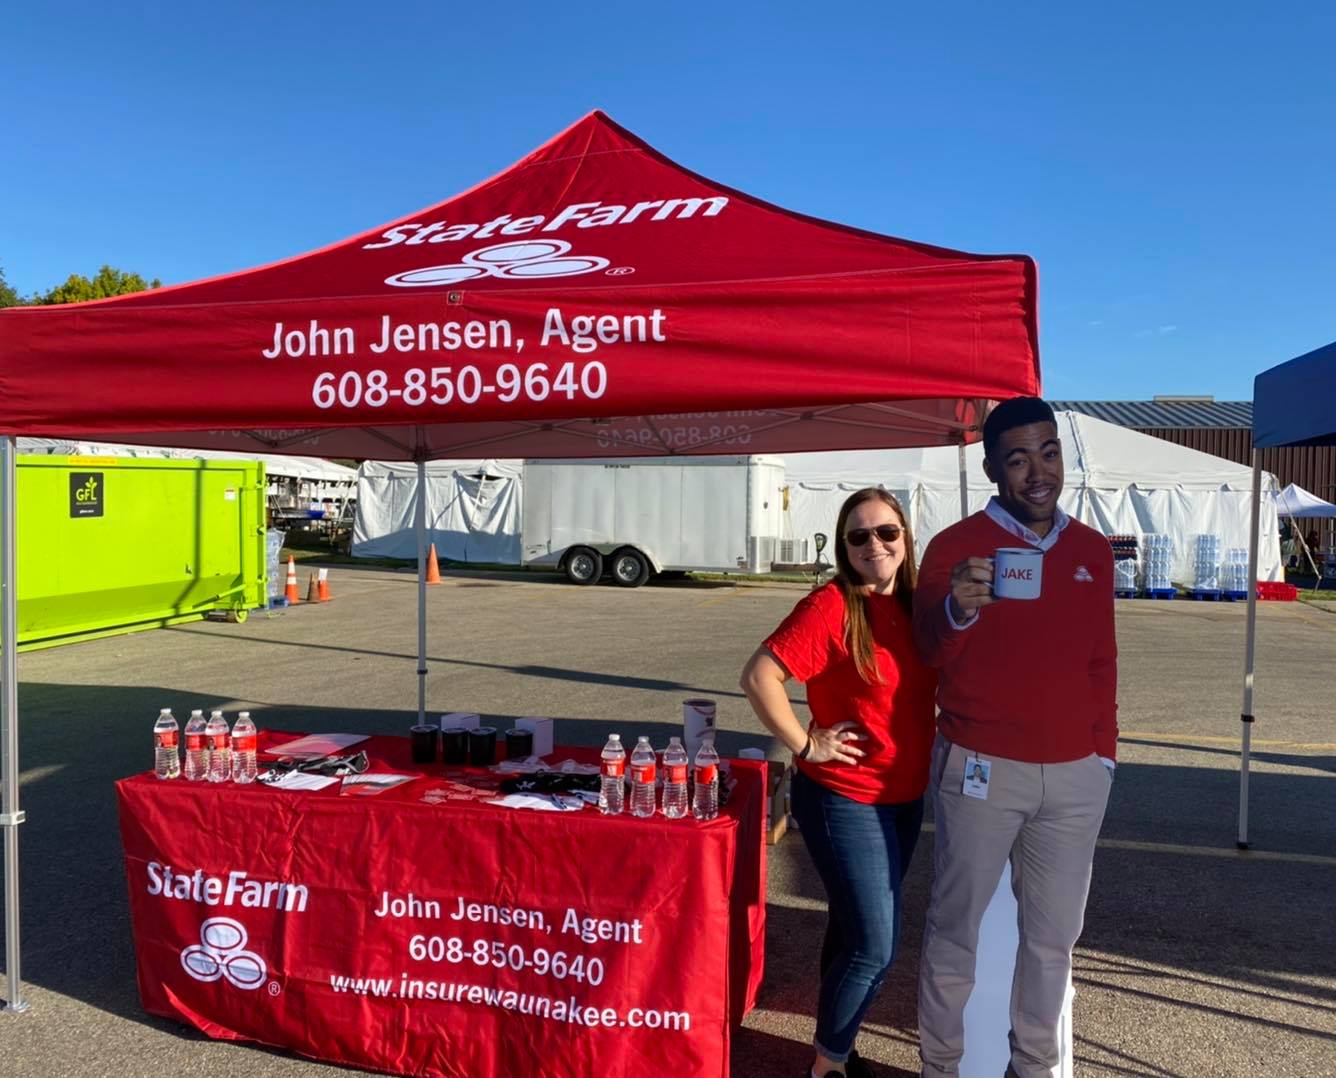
587	677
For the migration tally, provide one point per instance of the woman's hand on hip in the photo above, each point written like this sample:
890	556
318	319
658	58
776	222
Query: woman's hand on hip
835	744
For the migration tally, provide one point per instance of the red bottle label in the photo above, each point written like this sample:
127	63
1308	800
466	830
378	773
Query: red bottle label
166	739
218	741
244	743
677	772
707	773
194	742
642	772
614	769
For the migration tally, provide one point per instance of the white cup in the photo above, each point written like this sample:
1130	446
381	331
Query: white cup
1017	572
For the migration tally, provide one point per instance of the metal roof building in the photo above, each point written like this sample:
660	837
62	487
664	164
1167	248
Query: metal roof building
1221	428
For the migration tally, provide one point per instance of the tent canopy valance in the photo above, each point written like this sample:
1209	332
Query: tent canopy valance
1292	402
594	299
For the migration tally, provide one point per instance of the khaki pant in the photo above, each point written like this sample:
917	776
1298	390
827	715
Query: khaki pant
1045	818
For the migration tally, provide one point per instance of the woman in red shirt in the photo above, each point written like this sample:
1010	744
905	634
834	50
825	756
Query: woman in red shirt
863	761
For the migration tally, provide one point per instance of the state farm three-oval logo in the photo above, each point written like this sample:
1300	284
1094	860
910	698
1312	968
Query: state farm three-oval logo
521	260
221	952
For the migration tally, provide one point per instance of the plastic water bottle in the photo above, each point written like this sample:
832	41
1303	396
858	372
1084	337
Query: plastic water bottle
675	768
197	748
611	791
166	759
705	801
220	749
642	779
243	749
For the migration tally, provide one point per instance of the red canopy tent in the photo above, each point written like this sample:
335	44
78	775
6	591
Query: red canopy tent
595	279
595	299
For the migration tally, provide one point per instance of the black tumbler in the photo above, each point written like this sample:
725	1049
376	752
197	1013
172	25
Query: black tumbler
482	746
519	744
424	744
455	746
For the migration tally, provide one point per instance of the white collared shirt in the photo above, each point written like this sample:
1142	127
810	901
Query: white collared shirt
1005	520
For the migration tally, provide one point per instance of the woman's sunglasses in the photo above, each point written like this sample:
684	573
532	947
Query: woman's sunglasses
887	533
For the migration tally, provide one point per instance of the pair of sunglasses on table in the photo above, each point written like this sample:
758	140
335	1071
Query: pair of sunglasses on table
333	766
887	533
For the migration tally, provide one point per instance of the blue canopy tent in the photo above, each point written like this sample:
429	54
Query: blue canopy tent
1292	406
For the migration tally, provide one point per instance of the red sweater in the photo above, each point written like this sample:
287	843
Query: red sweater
1031	680
895	713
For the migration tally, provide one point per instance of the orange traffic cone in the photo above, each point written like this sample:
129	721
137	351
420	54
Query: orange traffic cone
290	592
322	582
433	569
312	593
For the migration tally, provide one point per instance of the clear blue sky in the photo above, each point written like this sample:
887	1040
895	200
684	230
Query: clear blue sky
1172	167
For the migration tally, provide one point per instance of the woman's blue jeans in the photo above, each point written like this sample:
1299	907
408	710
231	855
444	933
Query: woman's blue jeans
861	853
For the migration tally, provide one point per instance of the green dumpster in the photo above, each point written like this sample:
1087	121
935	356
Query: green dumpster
114	544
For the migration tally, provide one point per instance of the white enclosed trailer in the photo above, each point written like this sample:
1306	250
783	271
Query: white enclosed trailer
634	518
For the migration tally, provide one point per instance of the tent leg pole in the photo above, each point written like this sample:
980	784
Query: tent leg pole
10	816
964	482
420	526
1250	651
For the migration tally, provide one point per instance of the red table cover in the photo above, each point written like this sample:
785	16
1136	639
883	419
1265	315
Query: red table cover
457	939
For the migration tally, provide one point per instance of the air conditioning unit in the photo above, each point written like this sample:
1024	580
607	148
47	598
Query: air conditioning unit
793	551
760	553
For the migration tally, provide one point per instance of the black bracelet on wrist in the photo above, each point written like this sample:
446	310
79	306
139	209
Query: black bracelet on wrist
806	748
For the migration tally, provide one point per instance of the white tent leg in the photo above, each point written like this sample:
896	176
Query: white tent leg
420	526
10	816
1250	647
964	482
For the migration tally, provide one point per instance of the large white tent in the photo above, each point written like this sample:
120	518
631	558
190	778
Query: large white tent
472	511
1119	482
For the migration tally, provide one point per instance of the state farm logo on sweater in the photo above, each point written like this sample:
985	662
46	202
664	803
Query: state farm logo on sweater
1082	575
221	952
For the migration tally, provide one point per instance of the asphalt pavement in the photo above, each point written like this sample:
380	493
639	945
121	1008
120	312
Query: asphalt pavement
1197	960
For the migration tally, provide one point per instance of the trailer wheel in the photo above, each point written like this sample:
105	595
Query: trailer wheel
583	565
630	568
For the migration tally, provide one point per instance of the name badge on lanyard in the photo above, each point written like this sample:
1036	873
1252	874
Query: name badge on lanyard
977	773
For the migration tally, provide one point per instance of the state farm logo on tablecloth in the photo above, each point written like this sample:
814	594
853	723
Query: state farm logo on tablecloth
522	260
221	952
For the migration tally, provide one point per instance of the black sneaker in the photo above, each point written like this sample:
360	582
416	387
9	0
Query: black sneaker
858	1067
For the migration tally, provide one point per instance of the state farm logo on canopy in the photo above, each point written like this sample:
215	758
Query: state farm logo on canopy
221	952
535	258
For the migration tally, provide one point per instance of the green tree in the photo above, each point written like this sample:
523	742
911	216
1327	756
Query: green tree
108	282
8	297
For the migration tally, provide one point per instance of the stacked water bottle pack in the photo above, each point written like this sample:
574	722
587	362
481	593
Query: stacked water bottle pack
678	772
213	753
1234	573
1124	565
1125	576
1206	566
1157	560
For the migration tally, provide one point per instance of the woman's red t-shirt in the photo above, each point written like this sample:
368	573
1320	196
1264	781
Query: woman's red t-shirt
896	715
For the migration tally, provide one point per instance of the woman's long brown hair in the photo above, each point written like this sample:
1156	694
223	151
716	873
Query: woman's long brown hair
857	631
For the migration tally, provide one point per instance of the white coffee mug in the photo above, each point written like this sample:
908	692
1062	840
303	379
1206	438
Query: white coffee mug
1018	572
